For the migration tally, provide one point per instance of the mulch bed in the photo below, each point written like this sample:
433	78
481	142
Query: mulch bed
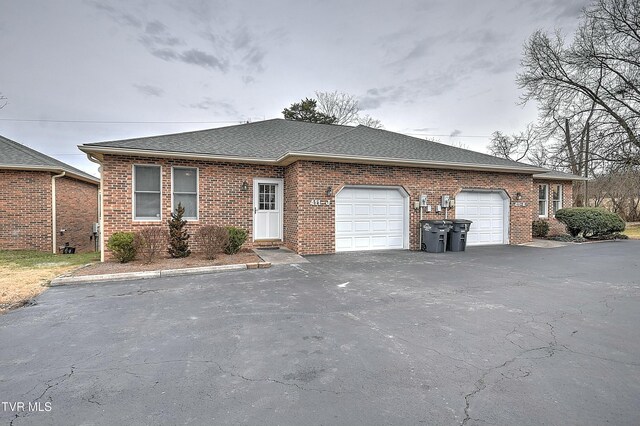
193	261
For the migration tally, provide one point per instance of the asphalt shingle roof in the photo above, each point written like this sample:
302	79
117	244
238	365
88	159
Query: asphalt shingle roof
556	175
15	155
272	139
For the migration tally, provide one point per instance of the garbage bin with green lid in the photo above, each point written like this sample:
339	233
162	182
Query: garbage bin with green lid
434	235
457	237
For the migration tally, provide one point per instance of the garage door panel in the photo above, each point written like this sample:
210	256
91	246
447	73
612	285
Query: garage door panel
344	226
487	211
362	226
376	217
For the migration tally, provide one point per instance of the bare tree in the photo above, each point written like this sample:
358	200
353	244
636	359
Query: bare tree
598	75
3	101
369	121
345	108
340	105
515	147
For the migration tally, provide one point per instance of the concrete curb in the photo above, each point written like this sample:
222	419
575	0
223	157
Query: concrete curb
127	276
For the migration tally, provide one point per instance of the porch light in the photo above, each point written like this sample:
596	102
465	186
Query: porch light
518	196
329	191
245	186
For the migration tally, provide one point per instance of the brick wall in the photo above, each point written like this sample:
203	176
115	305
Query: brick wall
555	227
222	200
307	229
76	212
25	210
316	226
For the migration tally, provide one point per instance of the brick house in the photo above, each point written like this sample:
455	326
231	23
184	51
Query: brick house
315	188
44	204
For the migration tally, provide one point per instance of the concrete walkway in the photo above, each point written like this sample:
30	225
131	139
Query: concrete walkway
280	256
539	243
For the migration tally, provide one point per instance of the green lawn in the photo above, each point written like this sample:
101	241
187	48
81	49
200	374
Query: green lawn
633	231
23	274
34	259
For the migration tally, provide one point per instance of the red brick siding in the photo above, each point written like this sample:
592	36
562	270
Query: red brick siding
316	227
222	201
76	212
25	210
307	229
555	227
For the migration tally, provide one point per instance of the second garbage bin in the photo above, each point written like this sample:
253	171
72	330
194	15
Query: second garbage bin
434	235
457	238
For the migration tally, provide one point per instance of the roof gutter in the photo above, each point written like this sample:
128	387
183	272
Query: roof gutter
291	157
49	169
564	178
54	236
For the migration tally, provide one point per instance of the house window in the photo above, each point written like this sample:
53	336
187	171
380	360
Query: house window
146	197
185	191
557	198
267	196
543	200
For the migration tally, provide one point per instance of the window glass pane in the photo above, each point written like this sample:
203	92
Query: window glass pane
542	192
185	180
147	178
147	205
542	208
189	202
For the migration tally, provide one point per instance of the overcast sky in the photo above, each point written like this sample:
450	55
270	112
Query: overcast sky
86	71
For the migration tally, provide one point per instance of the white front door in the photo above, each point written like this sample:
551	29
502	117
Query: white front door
369	218
267	209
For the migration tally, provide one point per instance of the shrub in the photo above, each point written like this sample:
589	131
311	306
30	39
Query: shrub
122	246
539	228
150	242
237	237
214	240
567	238
178	236
589	221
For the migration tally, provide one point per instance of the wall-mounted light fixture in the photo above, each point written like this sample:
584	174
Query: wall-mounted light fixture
245	186
518	196
329	191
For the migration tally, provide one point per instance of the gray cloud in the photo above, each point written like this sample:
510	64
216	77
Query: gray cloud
375	97
117	15
219	107
156	34
455	133
149	90
203	59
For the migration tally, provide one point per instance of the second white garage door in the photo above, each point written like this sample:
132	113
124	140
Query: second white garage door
370	219
489	213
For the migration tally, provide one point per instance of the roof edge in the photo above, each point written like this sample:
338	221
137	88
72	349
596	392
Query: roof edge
70	173
291	157
568	177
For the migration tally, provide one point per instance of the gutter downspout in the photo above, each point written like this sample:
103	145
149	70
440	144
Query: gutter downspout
54	238
100	205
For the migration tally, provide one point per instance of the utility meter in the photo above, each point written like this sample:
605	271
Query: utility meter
445	201
423	201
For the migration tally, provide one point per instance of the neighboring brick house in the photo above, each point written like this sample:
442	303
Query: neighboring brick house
313	188
555	191
44	204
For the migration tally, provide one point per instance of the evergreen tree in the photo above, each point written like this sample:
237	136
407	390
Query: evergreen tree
178	236
305	110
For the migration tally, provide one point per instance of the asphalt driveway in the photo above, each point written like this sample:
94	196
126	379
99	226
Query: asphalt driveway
495	335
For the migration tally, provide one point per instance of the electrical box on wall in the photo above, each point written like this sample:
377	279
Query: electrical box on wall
423	201
445	201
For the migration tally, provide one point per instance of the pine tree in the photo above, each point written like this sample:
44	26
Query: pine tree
178	236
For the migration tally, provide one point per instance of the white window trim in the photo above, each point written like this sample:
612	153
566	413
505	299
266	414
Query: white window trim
197	191
560	196
133	194
546	201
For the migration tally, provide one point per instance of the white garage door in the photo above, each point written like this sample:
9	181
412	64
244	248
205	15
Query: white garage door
370	219
487	211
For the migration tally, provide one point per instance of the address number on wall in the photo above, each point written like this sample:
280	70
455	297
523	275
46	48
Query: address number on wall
320	202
